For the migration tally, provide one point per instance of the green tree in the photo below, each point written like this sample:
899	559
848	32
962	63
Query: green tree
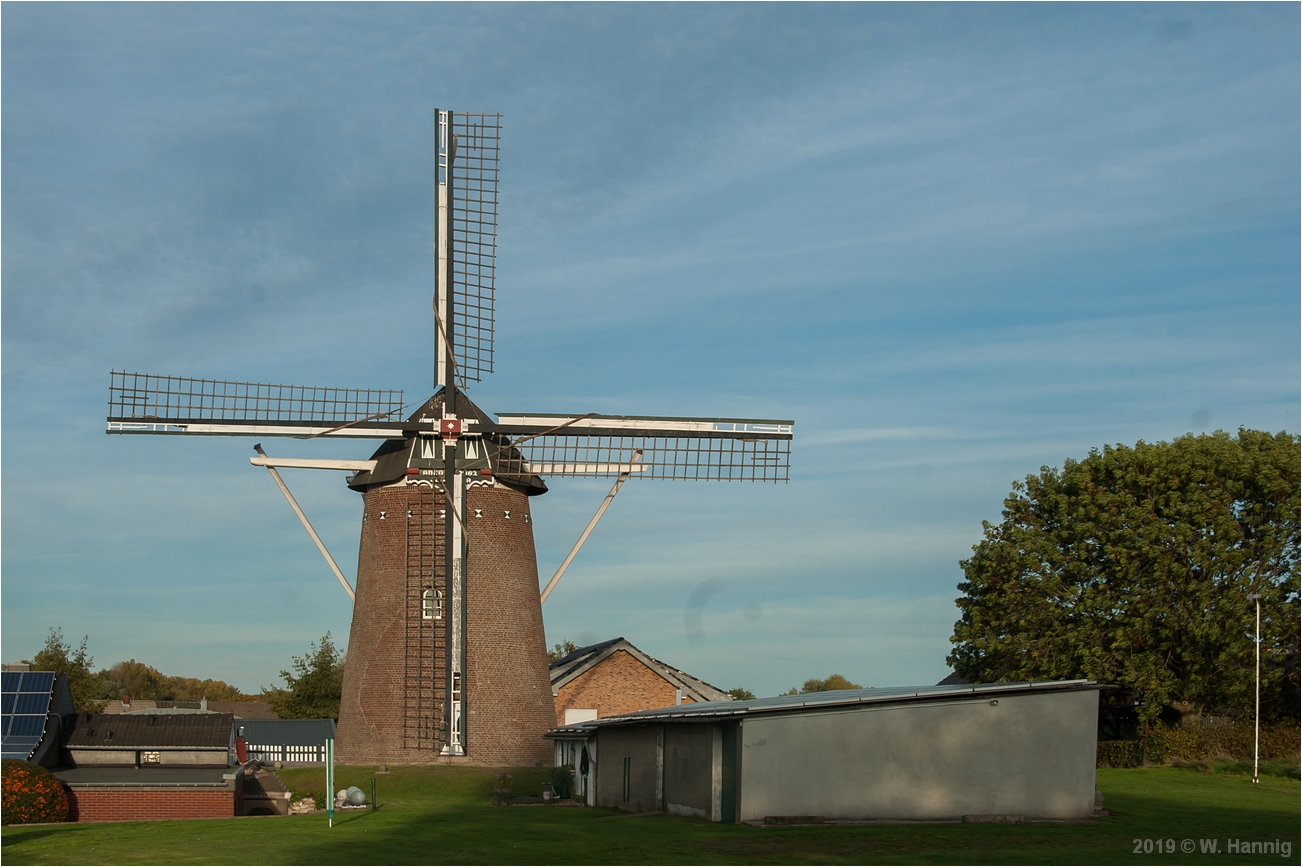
1133	567
560	650
313	686
58	655
832	681
139	680
741	693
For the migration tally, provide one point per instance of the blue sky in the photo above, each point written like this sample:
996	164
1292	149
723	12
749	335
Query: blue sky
954	243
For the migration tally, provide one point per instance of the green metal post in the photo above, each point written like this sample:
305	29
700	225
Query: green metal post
330	782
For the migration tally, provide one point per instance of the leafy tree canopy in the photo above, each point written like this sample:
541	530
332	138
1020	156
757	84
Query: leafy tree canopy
833	681
137	680
91	690
1134	567
741	693
560	650
59	655
313	687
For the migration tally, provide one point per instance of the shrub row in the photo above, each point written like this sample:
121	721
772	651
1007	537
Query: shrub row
1278	741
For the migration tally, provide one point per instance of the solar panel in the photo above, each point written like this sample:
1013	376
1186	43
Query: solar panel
24	704
27	725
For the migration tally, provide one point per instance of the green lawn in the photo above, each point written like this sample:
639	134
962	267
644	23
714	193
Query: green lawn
443	815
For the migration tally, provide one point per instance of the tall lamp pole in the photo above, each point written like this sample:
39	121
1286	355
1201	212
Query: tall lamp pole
1256	734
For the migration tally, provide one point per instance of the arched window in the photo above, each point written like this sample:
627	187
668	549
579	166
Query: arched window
431	605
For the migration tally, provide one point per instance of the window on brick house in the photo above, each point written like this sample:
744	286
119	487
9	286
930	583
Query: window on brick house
431	605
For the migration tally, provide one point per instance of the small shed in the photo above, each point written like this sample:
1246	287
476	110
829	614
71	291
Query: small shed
289	742
913	753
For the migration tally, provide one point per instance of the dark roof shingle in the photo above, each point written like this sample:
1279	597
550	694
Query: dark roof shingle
144	731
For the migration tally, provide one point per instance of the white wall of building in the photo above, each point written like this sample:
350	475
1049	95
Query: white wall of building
1031	755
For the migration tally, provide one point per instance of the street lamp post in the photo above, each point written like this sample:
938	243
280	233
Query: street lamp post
1256	734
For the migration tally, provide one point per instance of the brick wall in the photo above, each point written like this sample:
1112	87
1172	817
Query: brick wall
374	711
386	714
618	684
97	805
509	685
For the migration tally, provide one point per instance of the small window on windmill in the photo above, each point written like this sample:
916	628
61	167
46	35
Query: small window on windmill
431	605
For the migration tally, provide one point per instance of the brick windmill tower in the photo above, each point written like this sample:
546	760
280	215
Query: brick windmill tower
446	653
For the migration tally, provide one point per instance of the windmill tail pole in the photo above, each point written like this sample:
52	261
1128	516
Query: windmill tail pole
334	567
601	510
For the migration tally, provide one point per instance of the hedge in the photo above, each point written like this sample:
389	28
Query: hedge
1278	741
31	795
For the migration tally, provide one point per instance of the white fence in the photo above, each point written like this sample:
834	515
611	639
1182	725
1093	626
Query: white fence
287	753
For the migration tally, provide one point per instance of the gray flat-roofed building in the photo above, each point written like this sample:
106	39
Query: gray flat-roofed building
915	753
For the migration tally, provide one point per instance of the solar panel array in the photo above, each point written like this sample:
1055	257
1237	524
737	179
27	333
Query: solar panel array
24	705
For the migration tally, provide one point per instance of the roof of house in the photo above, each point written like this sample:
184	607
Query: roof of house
585	658
148	731
289	732
706	712
238	709
147	777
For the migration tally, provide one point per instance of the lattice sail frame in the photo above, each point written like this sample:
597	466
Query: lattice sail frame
152	403
690	449
468	148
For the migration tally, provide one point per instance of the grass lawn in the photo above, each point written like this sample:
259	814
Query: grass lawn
443	815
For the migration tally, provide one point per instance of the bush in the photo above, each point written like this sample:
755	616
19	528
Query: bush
1120	754
317	798
31	795
562	781
1190	745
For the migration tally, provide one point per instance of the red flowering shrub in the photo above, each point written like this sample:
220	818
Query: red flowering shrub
31	794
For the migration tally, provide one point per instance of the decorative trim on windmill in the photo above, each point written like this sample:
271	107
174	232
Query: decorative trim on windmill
446	494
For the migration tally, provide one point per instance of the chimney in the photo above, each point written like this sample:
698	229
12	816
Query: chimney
203	703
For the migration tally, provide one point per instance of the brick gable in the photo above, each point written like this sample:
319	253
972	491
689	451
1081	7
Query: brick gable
618	684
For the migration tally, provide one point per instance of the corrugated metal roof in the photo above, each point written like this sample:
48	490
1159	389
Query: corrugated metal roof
815	701
143	731
287	732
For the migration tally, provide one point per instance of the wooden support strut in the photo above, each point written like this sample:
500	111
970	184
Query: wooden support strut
280	483
601	510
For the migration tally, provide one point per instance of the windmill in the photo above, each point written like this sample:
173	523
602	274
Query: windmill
446	652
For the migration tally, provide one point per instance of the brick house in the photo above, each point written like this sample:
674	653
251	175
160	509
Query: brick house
614	677
152	766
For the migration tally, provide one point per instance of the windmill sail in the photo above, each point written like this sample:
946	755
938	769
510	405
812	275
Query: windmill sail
147	403
465	244
713	449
